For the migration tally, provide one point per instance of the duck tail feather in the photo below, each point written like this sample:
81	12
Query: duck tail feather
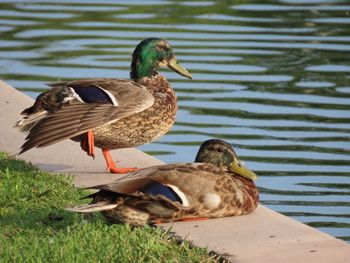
28	121
89	208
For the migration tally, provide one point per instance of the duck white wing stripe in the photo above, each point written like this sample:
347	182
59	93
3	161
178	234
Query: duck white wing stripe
75	96
110	95
181	194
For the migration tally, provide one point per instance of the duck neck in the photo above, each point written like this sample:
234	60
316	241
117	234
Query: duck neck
141	69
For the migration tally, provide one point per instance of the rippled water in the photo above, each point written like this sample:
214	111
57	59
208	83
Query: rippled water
272	79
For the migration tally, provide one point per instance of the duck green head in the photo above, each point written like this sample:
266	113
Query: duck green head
151	54
221	154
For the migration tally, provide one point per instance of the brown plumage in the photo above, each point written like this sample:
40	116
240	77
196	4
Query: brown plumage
108	113
217	185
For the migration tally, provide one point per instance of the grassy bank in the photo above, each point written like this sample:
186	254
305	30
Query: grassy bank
35	228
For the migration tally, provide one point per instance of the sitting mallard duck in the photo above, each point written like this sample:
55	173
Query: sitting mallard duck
216	185
108	113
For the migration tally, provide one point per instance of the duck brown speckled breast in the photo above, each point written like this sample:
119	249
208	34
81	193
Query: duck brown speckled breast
145	126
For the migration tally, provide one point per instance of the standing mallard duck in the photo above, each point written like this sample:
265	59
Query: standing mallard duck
216	185
108	113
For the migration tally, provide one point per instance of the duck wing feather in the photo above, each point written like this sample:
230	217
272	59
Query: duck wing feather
76	117
188	178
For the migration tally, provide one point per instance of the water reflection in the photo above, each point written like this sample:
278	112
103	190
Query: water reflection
271	78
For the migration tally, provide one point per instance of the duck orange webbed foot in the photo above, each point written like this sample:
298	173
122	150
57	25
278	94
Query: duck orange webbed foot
112	167
123	170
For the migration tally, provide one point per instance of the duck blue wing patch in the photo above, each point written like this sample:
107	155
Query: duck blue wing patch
92	94
155	189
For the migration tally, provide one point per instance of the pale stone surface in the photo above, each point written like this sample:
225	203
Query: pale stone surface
264	236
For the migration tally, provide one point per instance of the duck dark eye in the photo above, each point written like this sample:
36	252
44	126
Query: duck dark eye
220	150
162	48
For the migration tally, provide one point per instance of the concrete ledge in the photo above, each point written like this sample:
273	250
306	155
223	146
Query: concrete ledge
264	236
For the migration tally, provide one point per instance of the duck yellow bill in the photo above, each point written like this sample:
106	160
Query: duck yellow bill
175	66
238	168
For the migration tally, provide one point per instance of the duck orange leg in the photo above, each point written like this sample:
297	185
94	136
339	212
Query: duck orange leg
157	221
112	167
87	143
